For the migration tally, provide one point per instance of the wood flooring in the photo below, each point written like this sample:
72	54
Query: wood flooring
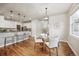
26	48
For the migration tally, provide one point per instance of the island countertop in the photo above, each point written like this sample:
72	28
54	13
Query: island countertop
7	34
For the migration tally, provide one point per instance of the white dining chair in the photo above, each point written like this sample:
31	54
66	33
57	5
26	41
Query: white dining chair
53	43
37	41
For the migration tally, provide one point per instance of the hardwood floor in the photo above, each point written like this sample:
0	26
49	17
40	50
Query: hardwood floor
26	48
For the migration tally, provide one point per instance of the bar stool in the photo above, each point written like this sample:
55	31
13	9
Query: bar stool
5	47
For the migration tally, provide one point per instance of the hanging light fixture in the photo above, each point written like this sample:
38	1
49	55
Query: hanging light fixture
19	17
46	17
11	14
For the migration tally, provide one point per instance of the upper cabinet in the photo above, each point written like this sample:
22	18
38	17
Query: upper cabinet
7	24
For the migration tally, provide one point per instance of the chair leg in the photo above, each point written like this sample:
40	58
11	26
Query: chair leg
34	46
44	47
49	52
0	51
57	51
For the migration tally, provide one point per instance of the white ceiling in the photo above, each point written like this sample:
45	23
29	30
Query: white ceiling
33	10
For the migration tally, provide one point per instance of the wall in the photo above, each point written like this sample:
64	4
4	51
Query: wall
33	23
36	28
7	24
72	40
58	23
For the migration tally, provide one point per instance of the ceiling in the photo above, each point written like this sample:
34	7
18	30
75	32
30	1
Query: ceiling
32	10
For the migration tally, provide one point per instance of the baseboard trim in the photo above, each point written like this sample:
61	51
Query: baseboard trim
63	40
72	49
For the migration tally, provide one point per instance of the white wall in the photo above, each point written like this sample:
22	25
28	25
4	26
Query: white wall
33	23
58	23
7	23
36	28
73	41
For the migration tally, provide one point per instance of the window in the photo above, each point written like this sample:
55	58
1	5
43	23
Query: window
74	23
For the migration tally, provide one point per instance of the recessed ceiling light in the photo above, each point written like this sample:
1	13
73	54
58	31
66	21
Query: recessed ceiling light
24	16
19	14
11	11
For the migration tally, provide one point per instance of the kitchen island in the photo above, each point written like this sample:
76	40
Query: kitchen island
13	37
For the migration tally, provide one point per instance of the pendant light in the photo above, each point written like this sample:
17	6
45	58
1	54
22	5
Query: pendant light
11	14
46	17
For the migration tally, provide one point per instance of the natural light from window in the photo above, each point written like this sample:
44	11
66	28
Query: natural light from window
74	23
